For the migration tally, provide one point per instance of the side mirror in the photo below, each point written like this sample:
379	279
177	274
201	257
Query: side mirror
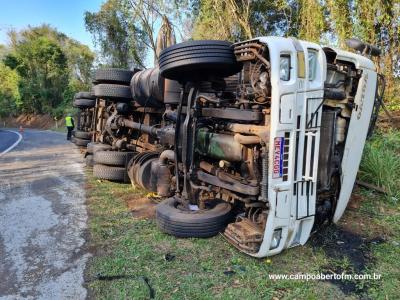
364	48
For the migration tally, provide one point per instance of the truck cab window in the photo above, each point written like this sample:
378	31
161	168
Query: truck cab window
312	64
284	67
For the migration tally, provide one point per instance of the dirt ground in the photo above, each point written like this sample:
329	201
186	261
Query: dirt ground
142	207
385	123
31	121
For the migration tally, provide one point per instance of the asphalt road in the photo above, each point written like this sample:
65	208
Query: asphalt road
7	139
42	219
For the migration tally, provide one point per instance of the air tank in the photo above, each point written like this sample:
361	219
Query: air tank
150	89
147	88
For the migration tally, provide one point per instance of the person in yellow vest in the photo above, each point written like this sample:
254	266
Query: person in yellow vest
69	123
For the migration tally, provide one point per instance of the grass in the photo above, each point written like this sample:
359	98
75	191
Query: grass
381	163
132	258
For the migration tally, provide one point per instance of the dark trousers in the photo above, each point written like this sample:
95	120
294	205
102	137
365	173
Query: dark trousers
69	134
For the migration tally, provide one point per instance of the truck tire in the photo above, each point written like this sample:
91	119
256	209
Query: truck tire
81	142
86	95
228	84
195	60
83	134
84	103
94	147
89	161
174	220
112	75
113	91
112	158
110	173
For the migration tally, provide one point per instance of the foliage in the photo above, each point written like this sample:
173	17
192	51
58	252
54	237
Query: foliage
332	22
340	19
238	20
378	23
48	64
121	41
224	20
380	164
52	66
275	18
42	67
79	57
214	22
126	30
9	93
80	62
234	20
327	22
312	20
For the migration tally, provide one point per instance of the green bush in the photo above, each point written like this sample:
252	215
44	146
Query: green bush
380	164
9	94
41	72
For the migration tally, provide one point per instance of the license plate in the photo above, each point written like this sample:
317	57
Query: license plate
278	157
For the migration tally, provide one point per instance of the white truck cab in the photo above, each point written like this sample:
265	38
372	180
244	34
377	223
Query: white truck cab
321	104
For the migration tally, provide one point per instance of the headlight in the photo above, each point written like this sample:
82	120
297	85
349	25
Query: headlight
276	238
284	68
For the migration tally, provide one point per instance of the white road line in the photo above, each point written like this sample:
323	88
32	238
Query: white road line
13	145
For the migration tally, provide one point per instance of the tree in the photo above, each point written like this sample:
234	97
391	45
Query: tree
122	43
165	37
224	20
51	67
9	93
80	62
79	57
312	20
340	12
378	23
43	69
275	18
243	19
126	30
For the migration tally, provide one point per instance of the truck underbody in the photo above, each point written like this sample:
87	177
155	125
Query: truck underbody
260	140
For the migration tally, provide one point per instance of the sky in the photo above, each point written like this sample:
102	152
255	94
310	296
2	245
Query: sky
65	15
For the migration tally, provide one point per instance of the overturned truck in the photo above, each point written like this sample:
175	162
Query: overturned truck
259	140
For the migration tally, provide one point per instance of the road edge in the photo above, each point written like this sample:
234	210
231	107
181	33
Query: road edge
13	145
